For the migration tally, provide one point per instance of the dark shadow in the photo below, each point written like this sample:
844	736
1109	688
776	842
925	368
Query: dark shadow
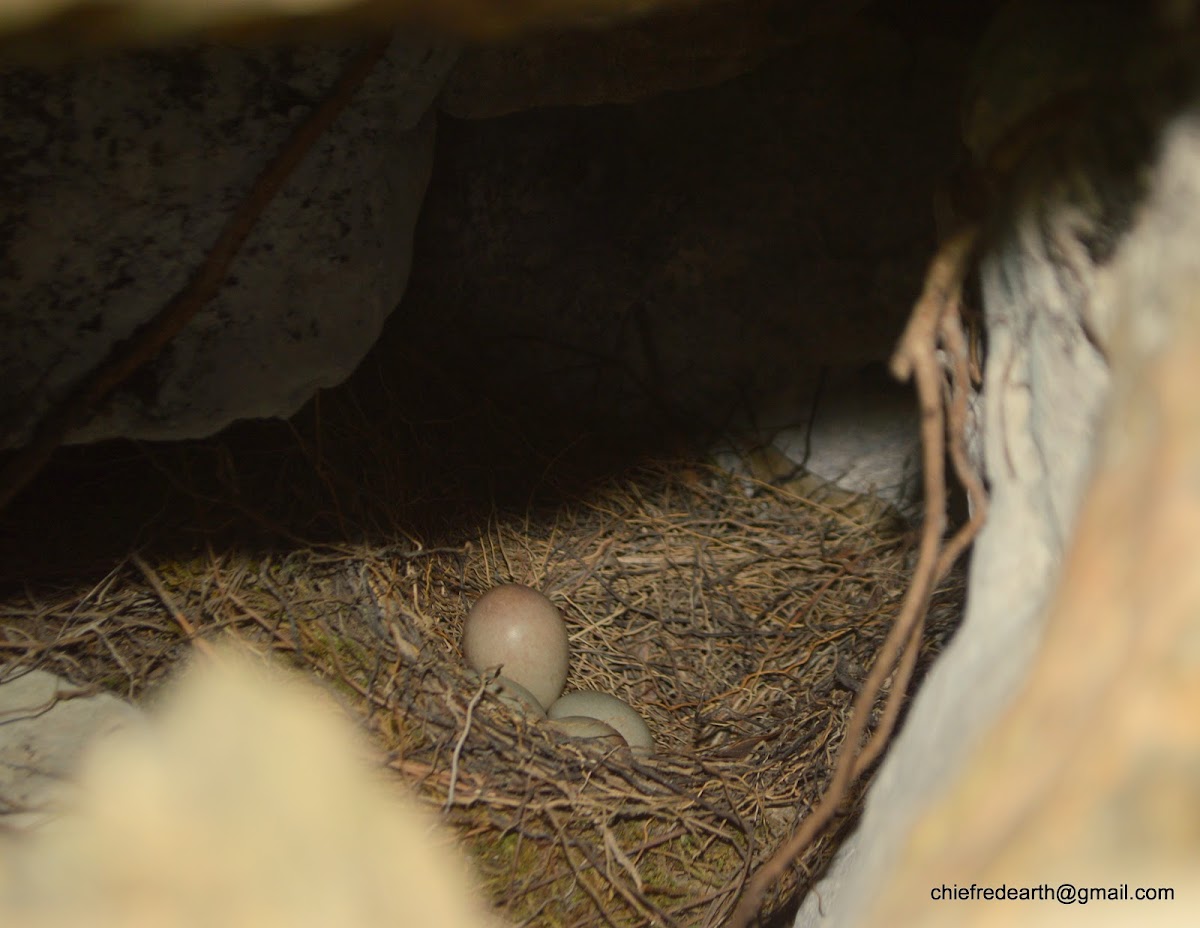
591	287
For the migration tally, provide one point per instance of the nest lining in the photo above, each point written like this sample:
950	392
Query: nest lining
736	616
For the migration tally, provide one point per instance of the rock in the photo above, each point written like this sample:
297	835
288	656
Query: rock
121	172
245	799
46	722
1035	58
687	252
1091	776
676	49
54	30
854	428
1057	299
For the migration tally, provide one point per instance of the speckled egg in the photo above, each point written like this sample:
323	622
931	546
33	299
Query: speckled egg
520	631
609	709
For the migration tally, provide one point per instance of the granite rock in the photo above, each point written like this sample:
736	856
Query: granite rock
121	173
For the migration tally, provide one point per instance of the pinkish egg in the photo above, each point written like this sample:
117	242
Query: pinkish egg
520	631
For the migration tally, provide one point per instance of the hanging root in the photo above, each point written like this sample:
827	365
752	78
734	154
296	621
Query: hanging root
935	353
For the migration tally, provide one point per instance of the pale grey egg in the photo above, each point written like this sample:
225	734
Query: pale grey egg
515	696
581	726
609	709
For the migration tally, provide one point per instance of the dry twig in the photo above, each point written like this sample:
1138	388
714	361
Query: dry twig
168	601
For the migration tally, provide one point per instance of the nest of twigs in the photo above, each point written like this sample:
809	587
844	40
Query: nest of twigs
738	617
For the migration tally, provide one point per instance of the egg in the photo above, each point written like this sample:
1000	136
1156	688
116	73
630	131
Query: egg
609	709
515	696
520	631
580	726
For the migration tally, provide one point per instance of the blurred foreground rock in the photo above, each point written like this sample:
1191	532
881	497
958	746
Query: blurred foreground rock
52	29
1092	776
247	799
1054	743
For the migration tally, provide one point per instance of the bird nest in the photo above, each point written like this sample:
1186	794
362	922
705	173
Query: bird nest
738	616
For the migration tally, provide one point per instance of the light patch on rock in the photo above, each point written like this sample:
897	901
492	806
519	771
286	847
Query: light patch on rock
45	724
853	428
